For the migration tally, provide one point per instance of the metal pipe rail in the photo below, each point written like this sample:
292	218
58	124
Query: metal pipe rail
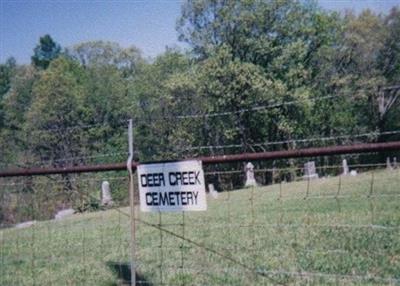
299	153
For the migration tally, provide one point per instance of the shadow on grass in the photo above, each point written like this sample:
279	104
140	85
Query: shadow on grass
123	272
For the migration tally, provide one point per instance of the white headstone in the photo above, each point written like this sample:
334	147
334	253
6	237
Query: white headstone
395	165
353	173
345	167
64	213
250	179
26	224
388	165
212	190
106	199
309	170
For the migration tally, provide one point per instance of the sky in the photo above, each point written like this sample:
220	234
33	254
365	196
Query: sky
148	25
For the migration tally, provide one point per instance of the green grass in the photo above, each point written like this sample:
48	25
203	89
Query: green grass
276	232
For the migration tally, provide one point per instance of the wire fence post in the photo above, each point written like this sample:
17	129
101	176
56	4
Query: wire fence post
132	204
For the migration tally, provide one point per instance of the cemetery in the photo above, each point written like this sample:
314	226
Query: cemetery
96	239
200	142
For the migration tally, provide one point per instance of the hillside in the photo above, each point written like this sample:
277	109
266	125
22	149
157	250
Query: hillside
290	233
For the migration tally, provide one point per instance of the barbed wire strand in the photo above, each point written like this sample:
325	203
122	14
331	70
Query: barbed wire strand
330	138
229	146
124	121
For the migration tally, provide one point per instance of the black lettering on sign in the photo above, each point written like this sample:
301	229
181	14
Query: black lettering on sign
163	198
143	181
171	198
155	199
184	178
184	198
149	199
190	198
152	180
197	178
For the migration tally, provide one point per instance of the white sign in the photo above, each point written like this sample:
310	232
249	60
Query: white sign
176	186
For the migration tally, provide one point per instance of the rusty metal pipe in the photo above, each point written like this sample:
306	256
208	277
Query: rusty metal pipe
299	153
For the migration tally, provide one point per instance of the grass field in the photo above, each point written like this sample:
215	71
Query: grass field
301	233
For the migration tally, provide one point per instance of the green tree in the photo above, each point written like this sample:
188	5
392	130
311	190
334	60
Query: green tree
7	71
389	58
281	40
361	73
46	51
389	63
232	87
56	113
109	69
106	108
16	102
255	31
101	53
160	92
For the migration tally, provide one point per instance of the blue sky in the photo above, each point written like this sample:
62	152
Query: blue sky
149	25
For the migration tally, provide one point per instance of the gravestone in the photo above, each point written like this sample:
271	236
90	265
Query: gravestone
212	190
388	165
309	171
395	165
353	173
250	179
64	213
26	224
345	167
106	199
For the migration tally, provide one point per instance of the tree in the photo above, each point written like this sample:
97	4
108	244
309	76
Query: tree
389	62
255	31
281	40
109	69
46	51
389	57
361	73
230	86
157	95
100	53
7	71
16	102
57	108
105	106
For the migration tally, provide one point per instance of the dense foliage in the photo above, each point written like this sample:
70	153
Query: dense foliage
267	70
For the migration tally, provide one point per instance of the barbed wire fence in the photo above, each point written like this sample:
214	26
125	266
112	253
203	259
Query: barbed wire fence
337	229
287	230
274	234
57	229
47	247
